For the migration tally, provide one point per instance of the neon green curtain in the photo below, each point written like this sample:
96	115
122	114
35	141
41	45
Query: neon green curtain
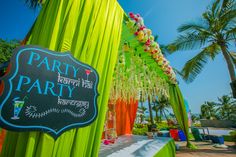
167	151
90	30
177	103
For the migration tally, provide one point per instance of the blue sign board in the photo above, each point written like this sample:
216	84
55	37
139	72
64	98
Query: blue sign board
47	91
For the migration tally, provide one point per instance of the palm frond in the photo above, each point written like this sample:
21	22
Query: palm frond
171	48
225	99
227	5
215	5
188	41
178	72
195	65
227	11
213	50
156	38
216	8
193	27
228	19
219	15
207	18
33	3
231	34
164	49
229	14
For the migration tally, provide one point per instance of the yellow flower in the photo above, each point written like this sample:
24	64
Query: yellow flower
140	35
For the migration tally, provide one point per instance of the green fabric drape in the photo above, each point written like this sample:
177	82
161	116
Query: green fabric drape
177	103
167	151
90	30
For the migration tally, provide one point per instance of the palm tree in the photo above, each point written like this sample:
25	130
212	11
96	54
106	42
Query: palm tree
142	112
195	117
150	110
161	105
208	110
155	109
226	107
204	111
214	32
211	109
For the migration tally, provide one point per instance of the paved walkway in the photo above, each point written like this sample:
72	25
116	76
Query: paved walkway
206	149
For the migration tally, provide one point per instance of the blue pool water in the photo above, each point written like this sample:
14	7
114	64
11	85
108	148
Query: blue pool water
217	132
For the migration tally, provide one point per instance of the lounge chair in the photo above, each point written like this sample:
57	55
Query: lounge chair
202	137
198	136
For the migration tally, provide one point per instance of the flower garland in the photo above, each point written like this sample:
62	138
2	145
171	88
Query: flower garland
144	35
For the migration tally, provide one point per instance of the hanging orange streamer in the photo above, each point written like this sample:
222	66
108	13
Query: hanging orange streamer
125	116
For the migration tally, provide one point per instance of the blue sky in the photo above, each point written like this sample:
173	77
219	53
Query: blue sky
163	17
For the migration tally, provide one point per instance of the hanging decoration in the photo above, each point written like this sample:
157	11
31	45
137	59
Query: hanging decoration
144	35
141	72
133	79
136	77
141	69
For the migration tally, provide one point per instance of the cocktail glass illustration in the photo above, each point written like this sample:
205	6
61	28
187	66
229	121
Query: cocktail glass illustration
87	73
17	108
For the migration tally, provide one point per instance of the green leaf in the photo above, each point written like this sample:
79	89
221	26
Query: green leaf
194	66
213	50
193	27
231	34
189	41
6	49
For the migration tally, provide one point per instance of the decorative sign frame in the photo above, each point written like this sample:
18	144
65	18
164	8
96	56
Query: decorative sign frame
47	91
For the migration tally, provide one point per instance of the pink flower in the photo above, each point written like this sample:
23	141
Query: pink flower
148	42
131	15
106	142
142	28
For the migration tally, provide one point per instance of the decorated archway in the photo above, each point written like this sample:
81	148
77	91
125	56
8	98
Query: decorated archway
141	73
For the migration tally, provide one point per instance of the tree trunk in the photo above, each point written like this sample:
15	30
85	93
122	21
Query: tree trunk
160	116
165	115
150	110
142	111
141	118
229	62
156	115
230	67
228	114
156	111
